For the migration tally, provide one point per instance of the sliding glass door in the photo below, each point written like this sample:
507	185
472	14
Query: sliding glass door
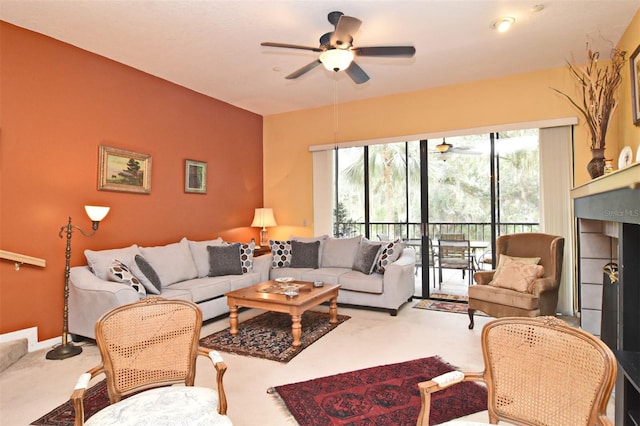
474	187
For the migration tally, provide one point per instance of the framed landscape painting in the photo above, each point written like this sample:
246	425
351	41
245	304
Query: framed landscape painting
634	61
195	177
125	171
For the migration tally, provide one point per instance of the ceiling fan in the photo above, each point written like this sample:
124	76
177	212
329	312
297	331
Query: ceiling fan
337	51
447	148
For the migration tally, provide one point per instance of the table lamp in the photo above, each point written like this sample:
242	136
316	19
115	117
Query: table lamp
262	218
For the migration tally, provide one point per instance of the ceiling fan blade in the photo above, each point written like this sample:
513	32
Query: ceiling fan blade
303	70
357	74
345	29
291	46
396	51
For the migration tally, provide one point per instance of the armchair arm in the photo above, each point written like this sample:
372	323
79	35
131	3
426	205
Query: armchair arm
221	368
483	277
542	285
438	383
78	393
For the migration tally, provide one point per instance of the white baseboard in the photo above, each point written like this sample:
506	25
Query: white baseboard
31	334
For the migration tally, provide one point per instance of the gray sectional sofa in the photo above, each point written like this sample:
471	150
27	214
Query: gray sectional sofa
202	271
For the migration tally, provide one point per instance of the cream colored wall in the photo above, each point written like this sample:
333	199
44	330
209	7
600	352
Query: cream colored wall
512	99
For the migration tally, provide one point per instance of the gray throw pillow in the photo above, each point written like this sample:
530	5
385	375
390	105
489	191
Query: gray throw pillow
304	255
224	260
366	257
146	274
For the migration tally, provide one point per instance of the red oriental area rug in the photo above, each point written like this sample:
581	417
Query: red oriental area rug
383	395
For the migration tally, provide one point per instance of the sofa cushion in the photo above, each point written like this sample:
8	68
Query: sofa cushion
207	288
389	253
366	257
201	255
172	262
100	261
281	251
321	238
327	275
146	274
503	296
357	281
295	273
340	252
518	275
224	260
304	255
119	273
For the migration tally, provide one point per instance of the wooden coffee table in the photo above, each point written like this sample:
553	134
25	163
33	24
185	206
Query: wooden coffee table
265	296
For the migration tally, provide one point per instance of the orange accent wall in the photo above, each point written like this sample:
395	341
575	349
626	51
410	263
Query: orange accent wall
58	105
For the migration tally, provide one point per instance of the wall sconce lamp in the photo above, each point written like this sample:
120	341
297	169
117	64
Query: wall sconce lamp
68	349
263	218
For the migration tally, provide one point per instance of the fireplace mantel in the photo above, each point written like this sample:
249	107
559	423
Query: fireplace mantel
614	197
629	177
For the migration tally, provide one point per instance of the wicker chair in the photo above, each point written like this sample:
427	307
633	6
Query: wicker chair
153	343
538	371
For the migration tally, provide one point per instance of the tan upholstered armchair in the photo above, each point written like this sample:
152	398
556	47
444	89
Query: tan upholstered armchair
541	296
538	371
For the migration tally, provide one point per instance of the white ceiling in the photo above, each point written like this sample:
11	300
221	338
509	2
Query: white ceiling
213	46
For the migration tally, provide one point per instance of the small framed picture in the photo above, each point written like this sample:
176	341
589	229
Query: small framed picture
126	171
634	61
195	177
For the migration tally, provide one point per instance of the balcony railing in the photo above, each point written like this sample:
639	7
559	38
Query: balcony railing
476	231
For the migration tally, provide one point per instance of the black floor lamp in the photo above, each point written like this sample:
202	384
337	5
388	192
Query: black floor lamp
68	349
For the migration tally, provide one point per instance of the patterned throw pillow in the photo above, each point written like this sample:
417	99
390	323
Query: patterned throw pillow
246	256
389	253
518	275
281	251
119	273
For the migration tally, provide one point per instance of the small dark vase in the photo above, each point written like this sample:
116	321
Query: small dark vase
595	166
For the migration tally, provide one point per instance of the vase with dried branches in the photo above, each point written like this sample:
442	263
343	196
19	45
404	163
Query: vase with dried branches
597	99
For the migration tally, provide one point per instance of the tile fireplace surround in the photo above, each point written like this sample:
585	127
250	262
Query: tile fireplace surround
607	210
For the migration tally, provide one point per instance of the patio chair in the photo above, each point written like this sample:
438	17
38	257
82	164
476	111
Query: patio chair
539	298
538	371
455	254
148	344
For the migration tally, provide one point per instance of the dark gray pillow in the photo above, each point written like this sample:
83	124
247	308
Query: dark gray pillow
224	260
304	255
150	274
366	257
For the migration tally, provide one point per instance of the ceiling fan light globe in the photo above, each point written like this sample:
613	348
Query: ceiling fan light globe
443	147
336	59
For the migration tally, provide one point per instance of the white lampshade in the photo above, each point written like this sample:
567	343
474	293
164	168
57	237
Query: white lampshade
263	217
336	59
96	213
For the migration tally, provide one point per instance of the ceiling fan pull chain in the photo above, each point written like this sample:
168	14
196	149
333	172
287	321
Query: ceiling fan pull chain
335	109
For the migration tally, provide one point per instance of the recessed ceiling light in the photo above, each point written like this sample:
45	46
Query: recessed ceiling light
503	24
